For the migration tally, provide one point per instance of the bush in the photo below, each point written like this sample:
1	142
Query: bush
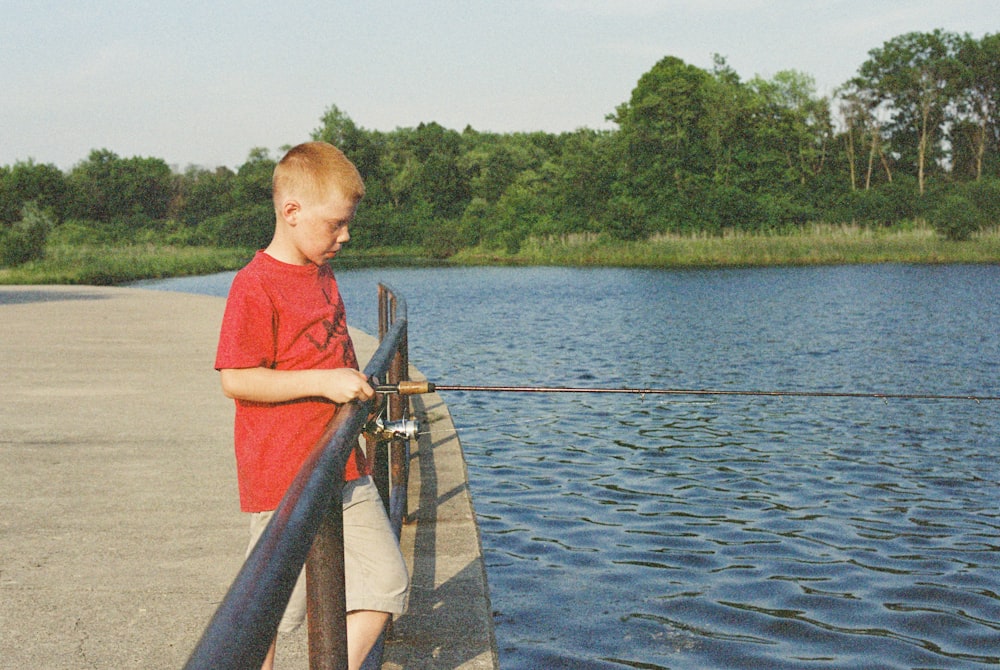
955	218
734	209
627	219
25	240
251	226
479	222
985	195
79	232
446	237
869	208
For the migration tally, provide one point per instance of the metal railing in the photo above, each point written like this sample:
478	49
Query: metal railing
307	528
392	464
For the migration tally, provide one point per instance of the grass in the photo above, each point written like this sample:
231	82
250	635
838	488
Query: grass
402	256
117	264
816	245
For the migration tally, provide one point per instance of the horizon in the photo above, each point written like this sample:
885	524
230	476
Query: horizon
198	85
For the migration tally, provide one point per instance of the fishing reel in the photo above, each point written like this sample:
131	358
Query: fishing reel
388	430
380	428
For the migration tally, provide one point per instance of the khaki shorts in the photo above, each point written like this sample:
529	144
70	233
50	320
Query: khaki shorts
375	576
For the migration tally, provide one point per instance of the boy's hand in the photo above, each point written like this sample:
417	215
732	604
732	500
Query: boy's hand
345	385
341	385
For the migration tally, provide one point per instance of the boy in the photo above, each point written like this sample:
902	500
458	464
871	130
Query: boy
286	358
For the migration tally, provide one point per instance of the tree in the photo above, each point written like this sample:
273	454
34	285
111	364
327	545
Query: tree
862	114
25	240
423	167
145	187
666	151
205	193
980	85
727	122
27	181
915	75
955	218
589	170
107	187
252	186
92	181
491	167
364	148
796	122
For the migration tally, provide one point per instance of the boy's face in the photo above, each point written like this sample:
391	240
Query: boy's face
320	226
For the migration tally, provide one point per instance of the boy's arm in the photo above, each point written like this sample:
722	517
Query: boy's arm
340	385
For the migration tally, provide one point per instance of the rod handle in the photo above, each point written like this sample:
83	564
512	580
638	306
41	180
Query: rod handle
406	388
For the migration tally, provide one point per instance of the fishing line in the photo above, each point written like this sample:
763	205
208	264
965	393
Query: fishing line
489	426
415	388
421	387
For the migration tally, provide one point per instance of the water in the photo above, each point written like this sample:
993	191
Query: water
630	532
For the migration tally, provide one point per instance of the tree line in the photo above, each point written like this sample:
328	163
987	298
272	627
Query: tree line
915	134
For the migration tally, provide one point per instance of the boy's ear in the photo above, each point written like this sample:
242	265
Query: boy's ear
290	210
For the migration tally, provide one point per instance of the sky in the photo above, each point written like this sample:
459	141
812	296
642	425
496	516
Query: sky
198	82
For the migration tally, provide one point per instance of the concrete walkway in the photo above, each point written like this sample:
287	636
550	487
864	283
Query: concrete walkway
119	524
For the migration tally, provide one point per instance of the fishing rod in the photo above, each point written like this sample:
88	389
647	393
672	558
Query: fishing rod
420	387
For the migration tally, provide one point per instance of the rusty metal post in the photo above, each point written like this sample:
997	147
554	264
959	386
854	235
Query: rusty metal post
383	311
377	450
399	456
327	606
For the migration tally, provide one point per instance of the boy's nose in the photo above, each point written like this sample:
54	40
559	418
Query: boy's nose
345	235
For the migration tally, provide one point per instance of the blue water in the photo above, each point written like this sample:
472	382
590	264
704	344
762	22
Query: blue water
723	532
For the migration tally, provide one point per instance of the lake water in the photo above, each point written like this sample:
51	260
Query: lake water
722	532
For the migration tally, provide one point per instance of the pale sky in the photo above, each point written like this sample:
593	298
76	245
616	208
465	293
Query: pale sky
202	82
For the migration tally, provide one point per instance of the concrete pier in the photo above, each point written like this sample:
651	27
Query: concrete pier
120	529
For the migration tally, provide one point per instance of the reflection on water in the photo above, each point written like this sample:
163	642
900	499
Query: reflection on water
629	532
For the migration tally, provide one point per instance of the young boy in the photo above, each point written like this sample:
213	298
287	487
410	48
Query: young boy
286	358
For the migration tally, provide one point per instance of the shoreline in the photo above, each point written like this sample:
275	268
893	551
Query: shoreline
819	245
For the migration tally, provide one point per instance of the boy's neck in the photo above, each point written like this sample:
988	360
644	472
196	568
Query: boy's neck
286	253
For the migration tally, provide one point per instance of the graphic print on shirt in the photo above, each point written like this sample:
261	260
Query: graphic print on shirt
335	326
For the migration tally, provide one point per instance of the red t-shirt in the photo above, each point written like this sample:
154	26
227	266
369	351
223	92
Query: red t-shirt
283	317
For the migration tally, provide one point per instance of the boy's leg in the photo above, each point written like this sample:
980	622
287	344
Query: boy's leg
376	578
363	629
295	611
269	659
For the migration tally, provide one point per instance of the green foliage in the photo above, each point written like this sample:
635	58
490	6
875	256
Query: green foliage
444	238
250	227
28	181
955	218
985	195
730	208
25	240
476	223
664	145
104	264
813	245
979	99
917	78
888	205
627	218
867	208
106	187
204	194
252	184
